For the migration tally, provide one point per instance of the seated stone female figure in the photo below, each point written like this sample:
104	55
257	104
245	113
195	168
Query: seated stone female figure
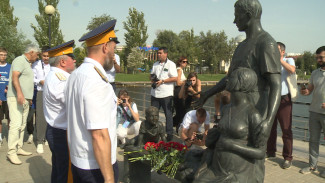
236	149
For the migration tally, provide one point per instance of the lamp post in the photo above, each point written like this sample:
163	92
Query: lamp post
49	10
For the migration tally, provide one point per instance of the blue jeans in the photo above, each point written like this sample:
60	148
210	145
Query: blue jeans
57	139
166	104
316	124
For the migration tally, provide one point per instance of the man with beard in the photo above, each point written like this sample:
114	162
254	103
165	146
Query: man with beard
91	108
317	110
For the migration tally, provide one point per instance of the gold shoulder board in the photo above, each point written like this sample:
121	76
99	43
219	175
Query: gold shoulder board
60	76
101	74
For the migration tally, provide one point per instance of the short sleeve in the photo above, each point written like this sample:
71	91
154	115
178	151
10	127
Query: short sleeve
291	61
173	71
269	57
207	119
134	108
98	101
18	65
186	121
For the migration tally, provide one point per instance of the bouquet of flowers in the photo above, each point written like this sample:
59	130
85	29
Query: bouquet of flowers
164	156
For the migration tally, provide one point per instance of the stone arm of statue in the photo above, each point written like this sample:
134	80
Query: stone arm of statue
220	86
238	147
263	130
140	140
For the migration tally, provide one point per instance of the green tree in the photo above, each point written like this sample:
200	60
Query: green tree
300	63
97	21
11	39
41	31
135	59
187	46
309	61
170	40
136	32
215	47
80	54
7	11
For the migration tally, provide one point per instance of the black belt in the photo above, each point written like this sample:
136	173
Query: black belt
112	83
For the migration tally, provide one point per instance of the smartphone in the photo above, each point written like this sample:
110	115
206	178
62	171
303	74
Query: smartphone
124	100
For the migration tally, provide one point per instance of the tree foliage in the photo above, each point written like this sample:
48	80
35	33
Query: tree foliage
97	21
136	32
170	40
11	39
135	59
207	49
7	11
41	32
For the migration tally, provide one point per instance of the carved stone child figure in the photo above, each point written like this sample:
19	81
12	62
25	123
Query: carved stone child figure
151	130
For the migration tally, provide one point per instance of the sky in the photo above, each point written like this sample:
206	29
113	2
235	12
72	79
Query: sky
296	23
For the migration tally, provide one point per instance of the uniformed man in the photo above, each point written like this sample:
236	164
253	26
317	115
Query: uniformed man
62	64
91	105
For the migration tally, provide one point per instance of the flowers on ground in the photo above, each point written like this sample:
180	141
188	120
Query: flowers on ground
164	156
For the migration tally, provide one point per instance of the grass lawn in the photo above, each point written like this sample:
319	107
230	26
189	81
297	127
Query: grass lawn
121	77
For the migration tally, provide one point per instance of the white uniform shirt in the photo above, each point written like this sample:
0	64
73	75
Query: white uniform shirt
164	71
40	70
111	73
190	117
53	98
90	104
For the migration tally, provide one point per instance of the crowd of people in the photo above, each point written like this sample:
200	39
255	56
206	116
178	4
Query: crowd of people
83	121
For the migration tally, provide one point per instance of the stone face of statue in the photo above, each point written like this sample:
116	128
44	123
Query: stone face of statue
152	115
241	19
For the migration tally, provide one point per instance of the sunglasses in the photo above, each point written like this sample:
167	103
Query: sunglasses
185	61
114	39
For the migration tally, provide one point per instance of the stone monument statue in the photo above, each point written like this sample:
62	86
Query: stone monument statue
258	52
235	151
151	130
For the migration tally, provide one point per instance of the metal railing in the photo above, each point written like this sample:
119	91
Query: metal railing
299	124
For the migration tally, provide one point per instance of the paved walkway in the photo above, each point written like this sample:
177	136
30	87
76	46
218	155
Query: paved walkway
37	168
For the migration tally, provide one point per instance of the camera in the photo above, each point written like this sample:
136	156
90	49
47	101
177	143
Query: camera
188	83
154	78
303	86
199	136
124	100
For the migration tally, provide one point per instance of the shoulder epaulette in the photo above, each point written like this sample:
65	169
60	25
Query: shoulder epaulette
60	76
101	74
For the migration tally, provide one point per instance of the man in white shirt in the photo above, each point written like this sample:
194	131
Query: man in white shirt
163	75
91	106
191	130
40	68
115	69
62	64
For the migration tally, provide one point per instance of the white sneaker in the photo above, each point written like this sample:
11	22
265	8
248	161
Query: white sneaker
40	149
30	139
46	143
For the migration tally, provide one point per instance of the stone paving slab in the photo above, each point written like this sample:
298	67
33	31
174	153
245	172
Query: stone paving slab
37	167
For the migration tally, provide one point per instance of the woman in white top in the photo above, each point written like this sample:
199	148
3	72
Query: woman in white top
179	103
127	118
